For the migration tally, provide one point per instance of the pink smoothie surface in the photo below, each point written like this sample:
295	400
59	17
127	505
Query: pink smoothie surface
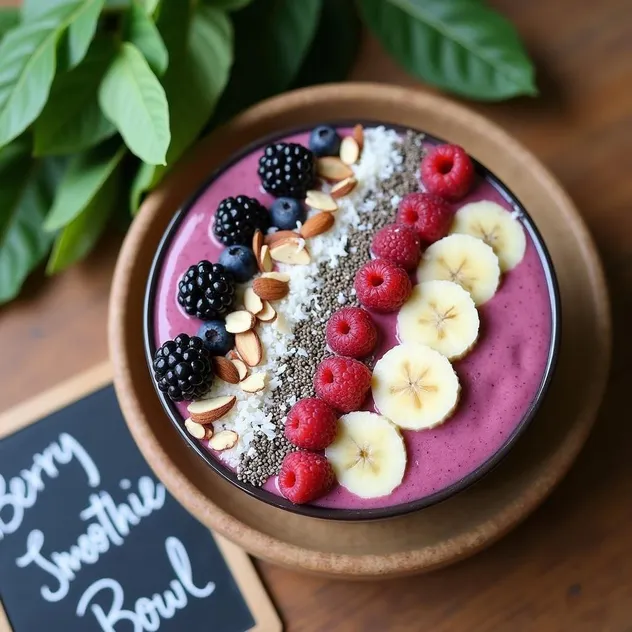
499	378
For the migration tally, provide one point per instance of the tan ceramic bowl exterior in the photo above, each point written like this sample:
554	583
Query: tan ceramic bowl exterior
461	525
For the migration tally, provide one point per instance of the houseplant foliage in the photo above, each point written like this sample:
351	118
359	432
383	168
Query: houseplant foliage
99	98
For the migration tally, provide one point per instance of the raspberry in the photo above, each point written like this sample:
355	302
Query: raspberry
351	332
382	286
311	424
447	171
398	243
428	214
343	383
304	476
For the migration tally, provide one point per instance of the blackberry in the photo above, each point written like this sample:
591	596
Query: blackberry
183	369
207	290
238	218
287	169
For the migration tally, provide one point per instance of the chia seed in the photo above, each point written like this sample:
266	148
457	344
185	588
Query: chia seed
266	455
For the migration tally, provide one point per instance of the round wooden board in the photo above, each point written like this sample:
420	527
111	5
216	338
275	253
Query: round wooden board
457	527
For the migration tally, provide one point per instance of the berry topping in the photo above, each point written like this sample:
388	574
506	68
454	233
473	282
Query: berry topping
351	332
428	214
447	171
216	339
311	424
183	369
324	141
285	212
240	261
382	286
206	290
238	218
398	243
343	383
305	476
287	169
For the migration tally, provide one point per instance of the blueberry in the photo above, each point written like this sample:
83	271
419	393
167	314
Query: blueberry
216	339
240	261
285	212
324	141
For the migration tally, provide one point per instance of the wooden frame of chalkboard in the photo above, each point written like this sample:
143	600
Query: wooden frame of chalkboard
259	603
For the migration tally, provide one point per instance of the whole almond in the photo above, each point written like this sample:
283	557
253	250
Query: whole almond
272	238
358	135
206	411
249	347
349	150
270	289
344	187
317	224
332	168
257	242
225	370
320	201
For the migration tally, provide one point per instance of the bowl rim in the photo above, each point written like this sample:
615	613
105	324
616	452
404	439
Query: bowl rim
342	514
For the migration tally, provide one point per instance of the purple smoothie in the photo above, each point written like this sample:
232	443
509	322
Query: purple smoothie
499	378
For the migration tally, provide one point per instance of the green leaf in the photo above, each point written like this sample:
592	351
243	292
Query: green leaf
197	74
150	6
72	119
460	45
86	174
9	18
81	25
142	32
272	39
335	45
228	5
79	237
132	98
15	165
24	243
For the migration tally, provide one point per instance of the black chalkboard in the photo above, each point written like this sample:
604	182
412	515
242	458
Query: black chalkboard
91	541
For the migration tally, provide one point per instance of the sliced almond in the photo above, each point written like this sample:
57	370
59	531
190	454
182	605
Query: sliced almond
272	238
320	201
279	276
252	302
232	355
267	314
206	411
332	168
257	242
241	368
358	135
292	251
196	430
317	224
240	321
349	150
344	187
225	370
270	289
255	383
223	440
264	261
249	347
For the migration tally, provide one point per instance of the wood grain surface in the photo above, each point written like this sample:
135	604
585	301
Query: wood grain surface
569	567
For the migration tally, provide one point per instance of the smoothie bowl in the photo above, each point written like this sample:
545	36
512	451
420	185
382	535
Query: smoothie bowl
351	322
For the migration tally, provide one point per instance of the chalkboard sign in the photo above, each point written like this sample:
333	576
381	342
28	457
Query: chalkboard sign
90	541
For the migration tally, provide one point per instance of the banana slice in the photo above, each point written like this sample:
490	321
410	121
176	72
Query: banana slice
415	386
368	454
442	315
497	227
465	260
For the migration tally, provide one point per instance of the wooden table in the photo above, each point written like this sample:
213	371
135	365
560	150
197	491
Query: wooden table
569	567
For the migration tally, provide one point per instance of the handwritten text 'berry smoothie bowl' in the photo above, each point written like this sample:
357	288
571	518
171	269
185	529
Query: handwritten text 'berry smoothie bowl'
352	322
